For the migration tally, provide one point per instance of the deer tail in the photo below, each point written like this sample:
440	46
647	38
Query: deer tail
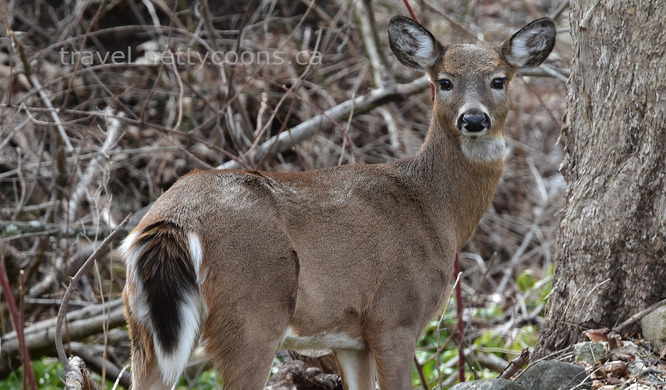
163	297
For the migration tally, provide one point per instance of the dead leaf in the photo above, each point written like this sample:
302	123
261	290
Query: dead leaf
597	335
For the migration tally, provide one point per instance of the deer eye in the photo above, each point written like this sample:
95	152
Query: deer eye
445	84
498	83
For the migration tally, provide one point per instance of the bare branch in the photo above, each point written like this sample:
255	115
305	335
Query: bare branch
360	105
15	229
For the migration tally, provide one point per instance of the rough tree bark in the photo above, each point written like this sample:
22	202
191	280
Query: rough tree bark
610	260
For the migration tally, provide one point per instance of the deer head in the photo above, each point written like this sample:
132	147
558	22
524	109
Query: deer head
471	80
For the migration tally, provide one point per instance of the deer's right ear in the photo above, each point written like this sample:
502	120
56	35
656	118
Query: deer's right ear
414	46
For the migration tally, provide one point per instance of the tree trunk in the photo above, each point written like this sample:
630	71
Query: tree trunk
610	260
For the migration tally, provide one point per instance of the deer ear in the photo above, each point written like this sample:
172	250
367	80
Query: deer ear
414	46
530	46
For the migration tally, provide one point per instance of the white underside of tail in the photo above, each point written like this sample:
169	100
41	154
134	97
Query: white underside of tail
171	364
138	300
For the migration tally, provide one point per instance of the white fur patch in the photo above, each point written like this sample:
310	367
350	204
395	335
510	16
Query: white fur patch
172	364
324	340
520	52
126	246
483	149
131	253
190	313
349	362
196	253
425	49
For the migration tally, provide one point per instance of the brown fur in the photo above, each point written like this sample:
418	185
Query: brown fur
358	256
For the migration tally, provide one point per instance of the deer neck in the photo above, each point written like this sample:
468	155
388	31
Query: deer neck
459	188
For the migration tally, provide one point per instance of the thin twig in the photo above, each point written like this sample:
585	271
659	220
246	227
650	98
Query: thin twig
92	171
70	290
13	230
456	26
638	316
556	14
516	364
439	327
333	121
54	113
40	90
459	321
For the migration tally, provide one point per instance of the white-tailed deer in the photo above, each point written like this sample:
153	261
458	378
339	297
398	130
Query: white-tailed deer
356	259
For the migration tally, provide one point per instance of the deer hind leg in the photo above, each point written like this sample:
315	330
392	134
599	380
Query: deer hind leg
357	369
249	367
145	372
242	346
250	303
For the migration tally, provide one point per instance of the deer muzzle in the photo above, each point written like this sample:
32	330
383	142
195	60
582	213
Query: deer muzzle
473	123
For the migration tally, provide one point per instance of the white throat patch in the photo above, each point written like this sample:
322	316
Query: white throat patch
483	149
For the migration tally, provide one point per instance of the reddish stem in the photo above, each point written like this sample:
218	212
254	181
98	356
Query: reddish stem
412	14
23	348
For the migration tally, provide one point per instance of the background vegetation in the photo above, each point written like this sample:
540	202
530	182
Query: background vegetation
87	138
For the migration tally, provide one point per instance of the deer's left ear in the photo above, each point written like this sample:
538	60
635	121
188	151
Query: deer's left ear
530	46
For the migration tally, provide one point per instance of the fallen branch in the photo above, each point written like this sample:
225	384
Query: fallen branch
360	105
296	375
489	361
40	338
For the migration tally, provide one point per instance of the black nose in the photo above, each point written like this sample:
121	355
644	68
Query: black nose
473	122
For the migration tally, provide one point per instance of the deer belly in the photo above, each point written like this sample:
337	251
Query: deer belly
322	340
